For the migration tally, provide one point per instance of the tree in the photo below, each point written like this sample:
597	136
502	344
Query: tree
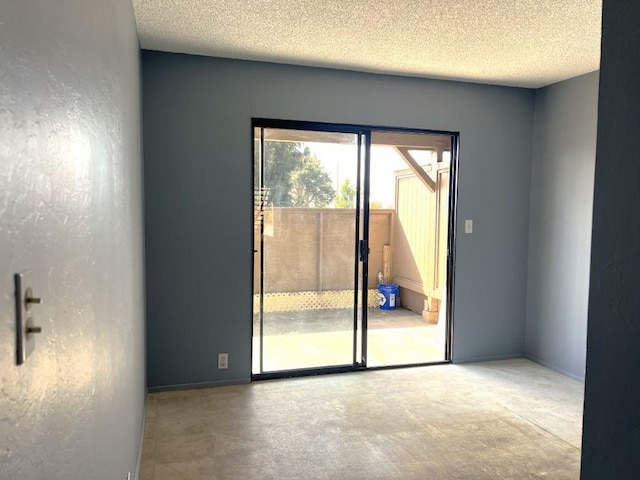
293	177
280	161
346	196
310	184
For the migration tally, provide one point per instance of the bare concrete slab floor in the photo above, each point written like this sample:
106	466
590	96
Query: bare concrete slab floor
498	420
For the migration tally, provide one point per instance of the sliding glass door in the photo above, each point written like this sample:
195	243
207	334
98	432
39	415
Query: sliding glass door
306	233
409	219
351	247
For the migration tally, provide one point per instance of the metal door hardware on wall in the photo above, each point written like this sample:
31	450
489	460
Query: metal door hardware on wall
25	323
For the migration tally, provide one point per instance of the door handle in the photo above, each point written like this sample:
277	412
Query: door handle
364	250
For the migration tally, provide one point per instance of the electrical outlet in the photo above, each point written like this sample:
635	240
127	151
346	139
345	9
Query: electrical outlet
223	360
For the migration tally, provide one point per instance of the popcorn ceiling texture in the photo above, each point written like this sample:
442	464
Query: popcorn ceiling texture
526	43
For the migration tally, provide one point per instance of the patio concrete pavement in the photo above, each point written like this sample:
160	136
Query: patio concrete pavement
313	338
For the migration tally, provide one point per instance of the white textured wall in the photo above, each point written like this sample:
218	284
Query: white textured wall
70	212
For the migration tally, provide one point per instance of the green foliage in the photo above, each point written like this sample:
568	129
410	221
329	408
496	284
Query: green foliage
293	177
310	184
280	160
346	196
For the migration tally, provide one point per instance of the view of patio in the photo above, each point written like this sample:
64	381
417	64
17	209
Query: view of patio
307	313
309	338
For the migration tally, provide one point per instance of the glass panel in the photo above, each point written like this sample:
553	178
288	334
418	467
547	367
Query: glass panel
408	237
308	249
423	157
361	290
259	208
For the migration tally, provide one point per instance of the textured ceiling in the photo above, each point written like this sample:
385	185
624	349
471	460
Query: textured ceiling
528	43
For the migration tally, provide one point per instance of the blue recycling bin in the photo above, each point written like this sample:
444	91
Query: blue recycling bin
388	296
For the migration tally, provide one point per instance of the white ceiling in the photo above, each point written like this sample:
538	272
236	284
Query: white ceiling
527	43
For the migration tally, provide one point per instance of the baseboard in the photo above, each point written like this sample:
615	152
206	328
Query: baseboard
554	368
487	358
190	386
136	474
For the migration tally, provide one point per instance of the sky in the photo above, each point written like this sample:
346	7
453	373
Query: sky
340	162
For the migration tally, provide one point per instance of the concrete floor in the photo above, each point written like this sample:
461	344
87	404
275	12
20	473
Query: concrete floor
313	338
498	420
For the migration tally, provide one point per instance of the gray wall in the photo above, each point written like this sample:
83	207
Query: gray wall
564	154
198	180
70	212
611	436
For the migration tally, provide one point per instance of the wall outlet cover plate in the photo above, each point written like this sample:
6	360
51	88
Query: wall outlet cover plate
223	360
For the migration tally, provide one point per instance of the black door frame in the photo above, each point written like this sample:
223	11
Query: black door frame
362	256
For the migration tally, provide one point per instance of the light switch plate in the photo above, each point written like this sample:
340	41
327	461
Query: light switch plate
468	226
25	341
